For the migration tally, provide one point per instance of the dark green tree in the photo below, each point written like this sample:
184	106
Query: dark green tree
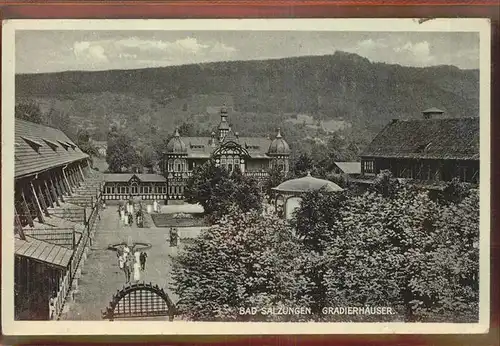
205	181
243	261
385	184
217	190
29	111
454	192
406	252
276	177
120	153
315	222
303	165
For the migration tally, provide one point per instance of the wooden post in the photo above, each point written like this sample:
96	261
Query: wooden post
49	194
68	190
37	202
53	192
77	177
57	189
42	199
71	179
81	172
61	184
18	226
27	210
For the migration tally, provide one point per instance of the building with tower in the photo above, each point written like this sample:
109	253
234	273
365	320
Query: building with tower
254	156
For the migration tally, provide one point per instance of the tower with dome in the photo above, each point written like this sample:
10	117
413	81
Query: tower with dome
254	156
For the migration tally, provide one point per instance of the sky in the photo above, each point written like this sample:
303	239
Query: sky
55	51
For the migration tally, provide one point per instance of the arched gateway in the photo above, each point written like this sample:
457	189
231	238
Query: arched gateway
140	300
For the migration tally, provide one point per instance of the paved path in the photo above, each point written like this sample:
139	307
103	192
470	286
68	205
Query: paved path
102	277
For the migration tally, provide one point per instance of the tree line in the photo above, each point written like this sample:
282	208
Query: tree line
393	244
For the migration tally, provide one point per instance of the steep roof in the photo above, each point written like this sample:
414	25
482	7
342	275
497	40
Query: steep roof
125	177
38	148
448	138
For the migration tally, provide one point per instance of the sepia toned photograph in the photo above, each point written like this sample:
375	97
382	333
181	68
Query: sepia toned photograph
251	173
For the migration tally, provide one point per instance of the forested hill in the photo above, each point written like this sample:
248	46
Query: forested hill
340	87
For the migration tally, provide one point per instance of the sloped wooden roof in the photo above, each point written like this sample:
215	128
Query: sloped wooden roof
39	250
448	138
38	148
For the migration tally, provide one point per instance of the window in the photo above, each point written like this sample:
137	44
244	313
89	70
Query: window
109	190
164	189
146	189
368	166
123	189
64	145
51	144
179	165
170	166
134	189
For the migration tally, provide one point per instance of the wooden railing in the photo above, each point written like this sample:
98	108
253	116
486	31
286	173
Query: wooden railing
85	241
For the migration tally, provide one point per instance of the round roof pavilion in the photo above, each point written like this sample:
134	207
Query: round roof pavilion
307	183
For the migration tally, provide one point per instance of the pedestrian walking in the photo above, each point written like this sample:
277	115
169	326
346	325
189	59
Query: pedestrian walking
126	219
143	260
126	267
130	220
137	266
122	214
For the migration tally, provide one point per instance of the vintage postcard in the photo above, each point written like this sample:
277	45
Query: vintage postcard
278	176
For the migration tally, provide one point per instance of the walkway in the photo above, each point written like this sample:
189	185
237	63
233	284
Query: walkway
102	277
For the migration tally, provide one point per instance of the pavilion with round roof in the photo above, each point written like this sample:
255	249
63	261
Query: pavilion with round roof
288	193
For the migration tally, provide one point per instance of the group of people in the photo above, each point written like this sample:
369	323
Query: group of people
131	262
126	214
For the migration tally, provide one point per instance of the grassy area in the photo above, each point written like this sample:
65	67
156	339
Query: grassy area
168	220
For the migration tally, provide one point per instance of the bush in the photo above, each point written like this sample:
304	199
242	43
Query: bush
243	261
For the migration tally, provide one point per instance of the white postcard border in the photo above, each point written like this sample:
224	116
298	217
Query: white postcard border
11	327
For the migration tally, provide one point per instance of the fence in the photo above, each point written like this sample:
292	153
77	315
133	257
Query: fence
82	244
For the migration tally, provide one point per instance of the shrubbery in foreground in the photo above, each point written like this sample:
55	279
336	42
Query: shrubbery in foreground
401	250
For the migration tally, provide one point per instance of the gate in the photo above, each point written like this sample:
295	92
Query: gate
140	300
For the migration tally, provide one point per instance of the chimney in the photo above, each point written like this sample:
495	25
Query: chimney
433	113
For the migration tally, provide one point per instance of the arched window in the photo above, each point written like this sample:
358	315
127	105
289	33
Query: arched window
170	165
134	189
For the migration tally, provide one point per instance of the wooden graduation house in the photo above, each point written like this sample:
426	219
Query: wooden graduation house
48	167
434	148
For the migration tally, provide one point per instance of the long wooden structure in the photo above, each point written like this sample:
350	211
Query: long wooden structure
49	168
